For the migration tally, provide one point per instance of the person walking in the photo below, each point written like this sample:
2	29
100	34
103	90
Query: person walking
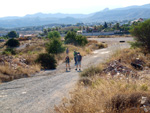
79	59
75	57
67	51
67	59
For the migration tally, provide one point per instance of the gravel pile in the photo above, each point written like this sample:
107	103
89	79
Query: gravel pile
115	68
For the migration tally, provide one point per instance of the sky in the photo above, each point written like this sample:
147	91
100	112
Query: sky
23	7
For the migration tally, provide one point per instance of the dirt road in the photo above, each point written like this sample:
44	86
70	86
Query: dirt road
39	94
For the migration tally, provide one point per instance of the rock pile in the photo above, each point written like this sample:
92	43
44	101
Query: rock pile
138	64
115	68
13	62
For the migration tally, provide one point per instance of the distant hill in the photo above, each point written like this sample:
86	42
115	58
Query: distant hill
58	15
120	15
126	13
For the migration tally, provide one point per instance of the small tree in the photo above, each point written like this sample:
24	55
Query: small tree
12	34
53	34
55	46
105	25
70	38
47	61
117	26
142	34
12	43
81	40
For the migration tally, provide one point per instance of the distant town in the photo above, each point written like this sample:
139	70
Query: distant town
86	29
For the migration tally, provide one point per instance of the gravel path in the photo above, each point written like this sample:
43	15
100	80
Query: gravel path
39	94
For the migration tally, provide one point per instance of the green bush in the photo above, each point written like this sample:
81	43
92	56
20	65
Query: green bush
9	51
81	40
12	34
142	34
72	38
55	46
47	61
12	43
53	34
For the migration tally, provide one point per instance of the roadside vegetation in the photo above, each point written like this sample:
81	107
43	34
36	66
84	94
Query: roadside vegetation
120	85
102	92
21	57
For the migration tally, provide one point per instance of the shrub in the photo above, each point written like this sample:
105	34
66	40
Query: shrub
142	34
55	46
81	40
72	38
47	61
135	44
12	34
122	102
12	43
9	51
101	45
91	71
53	34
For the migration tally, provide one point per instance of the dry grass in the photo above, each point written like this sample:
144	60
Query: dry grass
103	96
92	71
62	56
102	45
8	73
129	55
92	45
98	93
31	52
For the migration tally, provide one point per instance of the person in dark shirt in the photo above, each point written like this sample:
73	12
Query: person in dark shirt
79	59
75	57
67	60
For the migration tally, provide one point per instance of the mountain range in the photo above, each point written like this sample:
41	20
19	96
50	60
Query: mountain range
126	13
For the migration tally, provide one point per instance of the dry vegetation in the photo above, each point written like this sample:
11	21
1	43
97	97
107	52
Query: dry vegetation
31	51
92	45
106	95
101	93
7	73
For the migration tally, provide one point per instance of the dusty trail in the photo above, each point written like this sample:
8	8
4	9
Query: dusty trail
39	94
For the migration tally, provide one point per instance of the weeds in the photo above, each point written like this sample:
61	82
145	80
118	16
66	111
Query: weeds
103	94
91	71
7	73
107	95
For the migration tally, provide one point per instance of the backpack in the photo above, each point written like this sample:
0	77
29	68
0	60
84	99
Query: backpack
79	57
67	59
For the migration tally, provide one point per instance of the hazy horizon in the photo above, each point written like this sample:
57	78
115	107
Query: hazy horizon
24	7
